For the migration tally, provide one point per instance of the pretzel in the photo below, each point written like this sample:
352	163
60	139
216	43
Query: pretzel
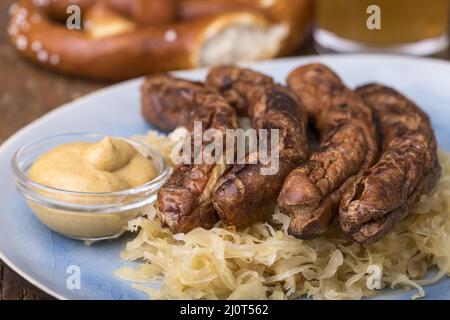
124	39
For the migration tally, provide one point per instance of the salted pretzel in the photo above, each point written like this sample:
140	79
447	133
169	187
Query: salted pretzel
123	39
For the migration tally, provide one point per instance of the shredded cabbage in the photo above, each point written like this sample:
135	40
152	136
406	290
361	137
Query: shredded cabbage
263	262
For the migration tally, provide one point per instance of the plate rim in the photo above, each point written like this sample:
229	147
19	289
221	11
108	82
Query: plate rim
72	104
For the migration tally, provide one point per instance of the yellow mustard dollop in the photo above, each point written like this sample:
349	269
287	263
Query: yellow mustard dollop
106	166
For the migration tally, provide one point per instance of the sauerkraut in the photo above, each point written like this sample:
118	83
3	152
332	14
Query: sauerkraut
263	262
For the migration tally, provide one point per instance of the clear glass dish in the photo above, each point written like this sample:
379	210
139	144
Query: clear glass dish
87	216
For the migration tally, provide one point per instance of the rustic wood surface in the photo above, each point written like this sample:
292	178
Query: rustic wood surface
26	93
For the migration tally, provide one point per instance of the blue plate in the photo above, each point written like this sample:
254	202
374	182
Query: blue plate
44	258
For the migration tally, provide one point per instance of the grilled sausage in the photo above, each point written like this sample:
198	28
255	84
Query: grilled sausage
153	12
407	169
312	192
243	195
166	102
119	41
184	202
236	84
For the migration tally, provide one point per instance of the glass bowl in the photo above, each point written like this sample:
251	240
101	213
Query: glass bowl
90	216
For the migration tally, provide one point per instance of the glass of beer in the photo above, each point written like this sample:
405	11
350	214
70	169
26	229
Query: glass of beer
415	27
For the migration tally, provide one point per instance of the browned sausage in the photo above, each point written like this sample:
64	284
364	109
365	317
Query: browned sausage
155	12
184	202
167	102
243	195
311	194
407	169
